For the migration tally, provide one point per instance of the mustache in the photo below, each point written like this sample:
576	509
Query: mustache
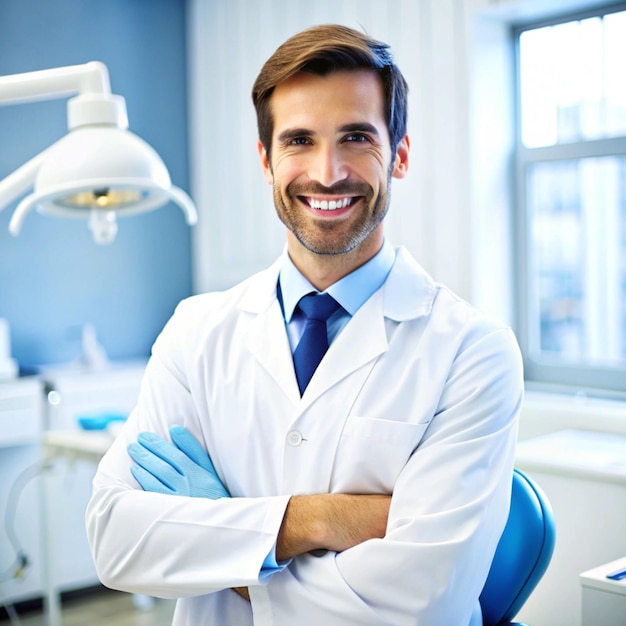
341	188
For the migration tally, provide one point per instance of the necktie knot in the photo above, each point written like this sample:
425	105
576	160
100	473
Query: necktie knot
318	306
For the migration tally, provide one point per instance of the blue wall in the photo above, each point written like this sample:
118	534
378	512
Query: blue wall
53	278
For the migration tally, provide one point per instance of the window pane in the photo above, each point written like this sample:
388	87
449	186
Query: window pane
572	81
577	261
615	81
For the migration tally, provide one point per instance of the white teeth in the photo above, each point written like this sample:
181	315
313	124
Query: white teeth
332	205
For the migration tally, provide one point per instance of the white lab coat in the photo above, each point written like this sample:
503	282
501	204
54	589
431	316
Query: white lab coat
418	396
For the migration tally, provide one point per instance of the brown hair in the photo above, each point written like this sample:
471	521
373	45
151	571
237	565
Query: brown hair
322	50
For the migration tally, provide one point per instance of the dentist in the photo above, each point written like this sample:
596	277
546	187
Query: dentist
262	488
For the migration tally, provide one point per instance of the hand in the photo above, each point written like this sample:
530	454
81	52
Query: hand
180	468
243	592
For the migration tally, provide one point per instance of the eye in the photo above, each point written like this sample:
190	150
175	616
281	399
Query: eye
357	138
299	141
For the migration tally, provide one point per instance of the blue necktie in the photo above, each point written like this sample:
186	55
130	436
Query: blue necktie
317	308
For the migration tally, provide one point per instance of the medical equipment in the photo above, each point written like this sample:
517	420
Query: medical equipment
99	170
22	561
71	445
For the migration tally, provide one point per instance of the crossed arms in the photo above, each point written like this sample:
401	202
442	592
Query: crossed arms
334	522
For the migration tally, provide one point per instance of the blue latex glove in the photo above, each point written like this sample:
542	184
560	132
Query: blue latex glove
181	468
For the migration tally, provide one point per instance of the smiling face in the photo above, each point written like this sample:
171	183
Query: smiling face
331	164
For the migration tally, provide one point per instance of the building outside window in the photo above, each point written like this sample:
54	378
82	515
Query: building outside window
571	198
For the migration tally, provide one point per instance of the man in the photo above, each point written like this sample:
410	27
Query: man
376	492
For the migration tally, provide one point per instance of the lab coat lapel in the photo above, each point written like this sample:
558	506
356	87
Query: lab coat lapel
408	293
359	343
266	336
268	343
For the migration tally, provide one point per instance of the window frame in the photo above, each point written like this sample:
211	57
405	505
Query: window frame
598	380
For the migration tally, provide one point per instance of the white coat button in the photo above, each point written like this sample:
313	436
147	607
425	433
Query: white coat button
294	438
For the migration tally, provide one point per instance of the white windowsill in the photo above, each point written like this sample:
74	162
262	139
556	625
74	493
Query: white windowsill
545	412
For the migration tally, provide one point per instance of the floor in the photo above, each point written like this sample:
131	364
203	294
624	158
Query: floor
105	608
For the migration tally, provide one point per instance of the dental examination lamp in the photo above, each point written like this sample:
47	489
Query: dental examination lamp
99	170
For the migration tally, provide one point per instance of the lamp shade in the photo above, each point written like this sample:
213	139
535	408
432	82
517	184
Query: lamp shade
101	169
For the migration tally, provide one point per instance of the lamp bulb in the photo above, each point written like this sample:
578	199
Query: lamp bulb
103	226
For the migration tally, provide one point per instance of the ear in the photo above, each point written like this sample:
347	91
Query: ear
401	164
265	163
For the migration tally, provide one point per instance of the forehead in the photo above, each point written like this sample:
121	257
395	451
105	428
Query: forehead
337	98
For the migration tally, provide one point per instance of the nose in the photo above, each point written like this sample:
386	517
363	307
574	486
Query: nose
329	166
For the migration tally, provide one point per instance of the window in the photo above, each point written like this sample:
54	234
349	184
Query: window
571	182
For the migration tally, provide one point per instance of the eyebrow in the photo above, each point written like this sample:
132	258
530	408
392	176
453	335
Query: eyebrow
362	127
294	133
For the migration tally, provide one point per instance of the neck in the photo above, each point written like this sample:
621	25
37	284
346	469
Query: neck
323	270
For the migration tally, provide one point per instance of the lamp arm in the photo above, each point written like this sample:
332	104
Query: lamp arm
186	204
19	181
59	82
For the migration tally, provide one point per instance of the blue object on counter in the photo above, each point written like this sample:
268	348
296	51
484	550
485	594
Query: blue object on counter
100	421
620	575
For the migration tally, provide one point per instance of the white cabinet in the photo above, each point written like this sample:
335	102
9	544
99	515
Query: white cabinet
20	412
74	393
604	599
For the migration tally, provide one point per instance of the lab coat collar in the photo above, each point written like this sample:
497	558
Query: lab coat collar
407	294
266	338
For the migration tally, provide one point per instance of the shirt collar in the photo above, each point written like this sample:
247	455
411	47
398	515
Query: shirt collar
351	291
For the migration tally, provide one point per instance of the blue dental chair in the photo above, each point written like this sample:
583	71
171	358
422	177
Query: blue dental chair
522	555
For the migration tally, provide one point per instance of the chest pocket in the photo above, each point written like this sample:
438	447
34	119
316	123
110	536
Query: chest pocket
372	453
